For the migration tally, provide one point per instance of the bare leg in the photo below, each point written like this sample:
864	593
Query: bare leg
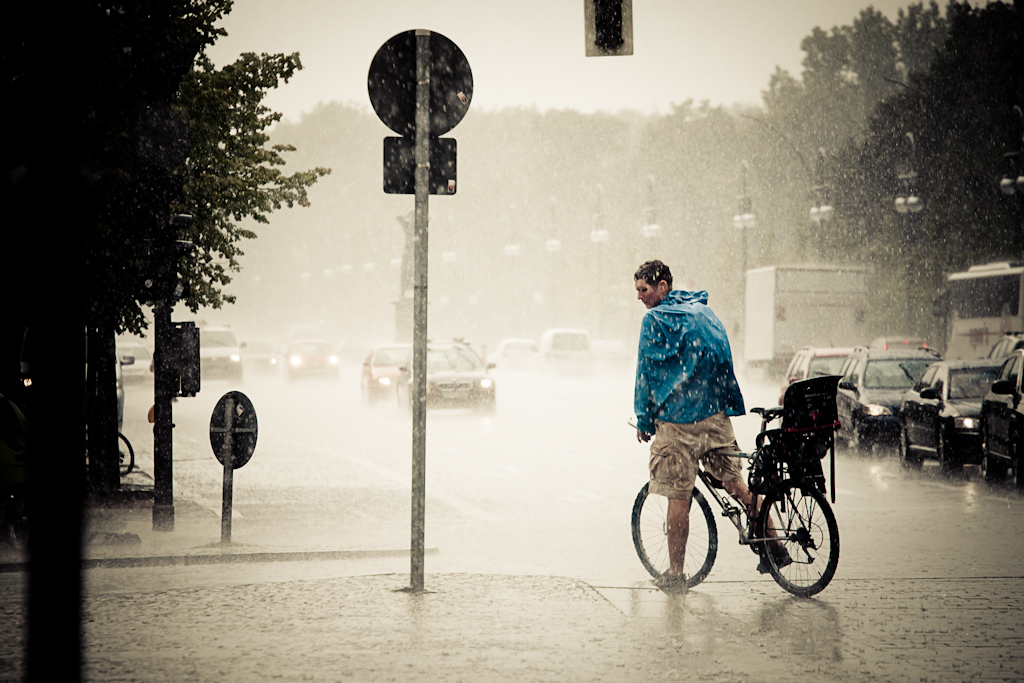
678	519
738	490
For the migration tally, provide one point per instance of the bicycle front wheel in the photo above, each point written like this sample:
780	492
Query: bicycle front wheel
650	535
806	528
126	454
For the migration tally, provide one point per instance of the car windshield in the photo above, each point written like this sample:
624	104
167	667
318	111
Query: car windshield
452	360
570	342
394	356
971	382
217	338
895	374
825	365
311	348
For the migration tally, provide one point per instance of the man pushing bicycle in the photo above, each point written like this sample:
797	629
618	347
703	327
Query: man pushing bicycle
686	391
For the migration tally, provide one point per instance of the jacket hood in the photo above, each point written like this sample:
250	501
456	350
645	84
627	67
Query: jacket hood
673	317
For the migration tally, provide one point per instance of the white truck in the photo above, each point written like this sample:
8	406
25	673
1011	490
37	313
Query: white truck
789	307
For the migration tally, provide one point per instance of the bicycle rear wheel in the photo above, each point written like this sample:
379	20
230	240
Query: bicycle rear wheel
807	529
650	535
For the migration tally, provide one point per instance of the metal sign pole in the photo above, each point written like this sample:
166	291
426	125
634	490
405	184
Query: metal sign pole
229	469
419	347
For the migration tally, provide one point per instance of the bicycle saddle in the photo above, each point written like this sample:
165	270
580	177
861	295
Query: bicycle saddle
769	414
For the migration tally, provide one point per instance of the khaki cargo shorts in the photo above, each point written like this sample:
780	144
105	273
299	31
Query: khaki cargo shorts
676	449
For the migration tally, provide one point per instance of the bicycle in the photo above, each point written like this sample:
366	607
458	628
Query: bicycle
786	475
126	461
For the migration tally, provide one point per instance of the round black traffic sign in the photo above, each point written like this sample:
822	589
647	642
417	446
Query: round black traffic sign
234	417
392	84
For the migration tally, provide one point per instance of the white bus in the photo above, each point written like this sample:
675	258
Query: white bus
985	303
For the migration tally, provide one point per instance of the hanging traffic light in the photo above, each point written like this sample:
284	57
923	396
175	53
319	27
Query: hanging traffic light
608	27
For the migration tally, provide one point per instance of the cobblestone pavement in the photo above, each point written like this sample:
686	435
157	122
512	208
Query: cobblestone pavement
468	627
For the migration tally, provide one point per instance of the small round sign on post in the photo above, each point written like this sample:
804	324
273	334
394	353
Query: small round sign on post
233	429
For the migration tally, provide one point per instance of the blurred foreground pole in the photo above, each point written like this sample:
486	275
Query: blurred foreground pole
57	438
419	345
49	208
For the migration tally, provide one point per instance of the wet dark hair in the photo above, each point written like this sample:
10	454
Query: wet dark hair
654	272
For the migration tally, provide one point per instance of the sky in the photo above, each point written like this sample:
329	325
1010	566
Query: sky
530	53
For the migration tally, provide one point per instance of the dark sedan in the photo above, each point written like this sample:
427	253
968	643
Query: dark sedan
871	390
1002	416
941	414
456	378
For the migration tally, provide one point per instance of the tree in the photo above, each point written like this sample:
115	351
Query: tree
160	130
230	173
960	114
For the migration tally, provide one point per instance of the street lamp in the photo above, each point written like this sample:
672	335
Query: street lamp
909	200
650	228
822	209
1012	182
744	219
908	203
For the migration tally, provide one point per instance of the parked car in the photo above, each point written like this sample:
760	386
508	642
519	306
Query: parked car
219	355
941	415
260	357
456	378
813	361
381	370
872	386
119	388
898	342
136	362
515	354
566	351
310	358
1005	346
1002	418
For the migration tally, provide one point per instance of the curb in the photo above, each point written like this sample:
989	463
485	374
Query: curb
222	558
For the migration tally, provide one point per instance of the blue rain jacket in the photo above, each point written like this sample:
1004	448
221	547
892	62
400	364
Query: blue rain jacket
684	370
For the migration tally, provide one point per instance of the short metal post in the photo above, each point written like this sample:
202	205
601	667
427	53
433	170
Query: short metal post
229	470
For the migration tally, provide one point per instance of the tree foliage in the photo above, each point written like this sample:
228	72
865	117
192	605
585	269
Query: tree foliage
164	131
527	177
231	173
951	126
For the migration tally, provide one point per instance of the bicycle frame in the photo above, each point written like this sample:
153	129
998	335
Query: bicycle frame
735	511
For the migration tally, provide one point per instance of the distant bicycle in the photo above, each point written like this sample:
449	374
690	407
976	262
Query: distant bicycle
786	474
125	455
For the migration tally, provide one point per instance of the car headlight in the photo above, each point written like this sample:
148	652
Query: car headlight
486	383
333	360
235	358
875	410
966	422
296	360
384	380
